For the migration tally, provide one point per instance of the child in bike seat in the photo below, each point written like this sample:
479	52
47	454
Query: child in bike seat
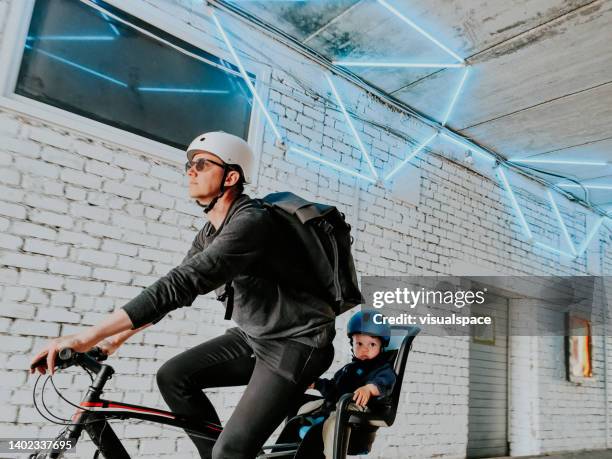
369	375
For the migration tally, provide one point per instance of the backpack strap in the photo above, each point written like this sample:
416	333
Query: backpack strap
228	298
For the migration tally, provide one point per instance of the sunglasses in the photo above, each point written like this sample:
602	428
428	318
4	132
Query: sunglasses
201	163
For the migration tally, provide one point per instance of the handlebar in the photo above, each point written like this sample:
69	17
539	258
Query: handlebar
68	357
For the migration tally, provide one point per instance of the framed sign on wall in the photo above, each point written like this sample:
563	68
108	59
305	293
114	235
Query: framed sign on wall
578	349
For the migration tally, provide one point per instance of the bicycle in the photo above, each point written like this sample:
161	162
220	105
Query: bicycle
94	412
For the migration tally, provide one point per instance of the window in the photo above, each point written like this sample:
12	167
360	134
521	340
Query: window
84	61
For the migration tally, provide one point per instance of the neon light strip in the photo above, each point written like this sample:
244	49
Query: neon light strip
395	64
353	130
71	38
590	236
483	154
245	76
330	164
559	161
561	222
554	250
515	204
589	187
183	90
77	66
418	29
410	156
451	106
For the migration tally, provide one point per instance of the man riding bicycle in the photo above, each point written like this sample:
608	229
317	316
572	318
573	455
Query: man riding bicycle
285	328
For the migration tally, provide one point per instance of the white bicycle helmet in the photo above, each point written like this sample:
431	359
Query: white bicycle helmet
229	148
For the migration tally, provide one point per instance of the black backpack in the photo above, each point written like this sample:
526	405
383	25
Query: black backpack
326	241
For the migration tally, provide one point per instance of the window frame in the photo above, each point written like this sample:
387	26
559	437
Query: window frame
11	51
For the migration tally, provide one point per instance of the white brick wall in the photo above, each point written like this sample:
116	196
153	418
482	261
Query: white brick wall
85	225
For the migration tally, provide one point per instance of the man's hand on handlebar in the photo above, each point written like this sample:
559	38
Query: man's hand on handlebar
77	342
116	323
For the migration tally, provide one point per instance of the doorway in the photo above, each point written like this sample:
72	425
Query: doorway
488	383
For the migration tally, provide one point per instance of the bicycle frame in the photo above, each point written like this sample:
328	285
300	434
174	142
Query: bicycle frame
93	415
96	412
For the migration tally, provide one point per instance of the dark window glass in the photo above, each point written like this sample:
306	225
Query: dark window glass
81	60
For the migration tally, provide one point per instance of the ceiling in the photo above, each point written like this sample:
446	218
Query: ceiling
540	80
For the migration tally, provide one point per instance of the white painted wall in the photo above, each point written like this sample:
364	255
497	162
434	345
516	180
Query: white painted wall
86	223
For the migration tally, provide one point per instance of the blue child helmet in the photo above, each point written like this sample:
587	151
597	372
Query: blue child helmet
363	323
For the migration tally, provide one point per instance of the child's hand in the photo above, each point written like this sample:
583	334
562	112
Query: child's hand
362	395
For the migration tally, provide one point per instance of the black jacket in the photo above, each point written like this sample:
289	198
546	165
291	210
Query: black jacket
377	371
274	293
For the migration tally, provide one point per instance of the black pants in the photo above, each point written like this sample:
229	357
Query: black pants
228	360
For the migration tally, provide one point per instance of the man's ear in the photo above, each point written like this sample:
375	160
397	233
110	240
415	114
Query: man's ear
232	178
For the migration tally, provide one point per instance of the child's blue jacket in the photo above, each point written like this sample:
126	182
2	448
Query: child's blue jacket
377	371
